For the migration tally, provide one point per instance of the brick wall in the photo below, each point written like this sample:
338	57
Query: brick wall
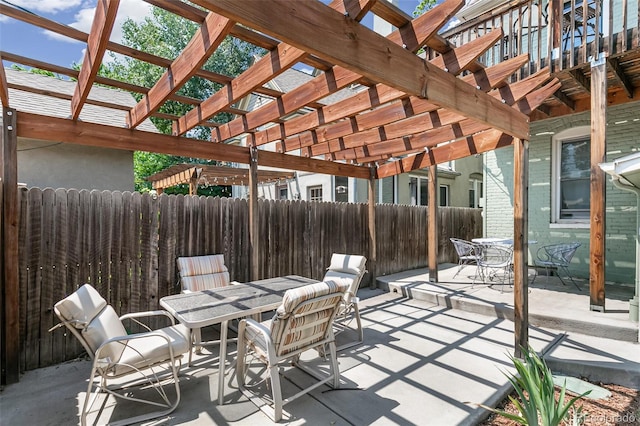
623	138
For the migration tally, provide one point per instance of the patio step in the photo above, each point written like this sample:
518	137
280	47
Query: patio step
547	308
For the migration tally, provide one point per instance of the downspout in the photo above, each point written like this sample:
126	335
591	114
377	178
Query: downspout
635	302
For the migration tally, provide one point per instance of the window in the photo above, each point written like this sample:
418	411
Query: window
315	193
475	191
418	192
385	190
341	189
444	195
571	176
283	192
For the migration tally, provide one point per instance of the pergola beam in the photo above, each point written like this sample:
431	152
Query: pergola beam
83	133
365	52
202	45
101	27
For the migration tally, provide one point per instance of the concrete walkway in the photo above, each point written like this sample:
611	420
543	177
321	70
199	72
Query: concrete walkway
420	364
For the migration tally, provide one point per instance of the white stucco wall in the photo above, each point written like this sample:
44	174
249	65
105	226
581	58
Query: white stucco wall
58	165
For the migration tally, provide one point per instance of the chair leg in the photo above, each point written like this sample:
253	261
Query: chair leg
334	365
460	266
356	313
564	268
277	392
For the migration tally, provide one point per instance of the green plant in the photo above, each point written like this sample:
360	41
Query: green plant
536	402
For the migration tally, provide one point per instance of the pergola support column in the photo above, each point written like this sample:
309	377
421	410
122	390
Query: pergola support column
597	211
9	286
432	224
520	245
371	263
254	242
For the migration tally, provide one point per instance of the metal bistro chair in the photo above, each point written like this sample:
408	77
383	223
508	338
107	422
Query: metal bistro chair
128	365
496	264
557	256
468	254
302	322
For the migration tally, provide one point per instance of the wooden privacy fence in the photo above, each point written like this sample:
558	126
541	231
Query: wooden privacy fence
125	244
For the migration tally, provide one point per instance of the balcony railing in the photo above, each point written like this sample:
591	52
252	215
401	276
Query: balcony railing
555	33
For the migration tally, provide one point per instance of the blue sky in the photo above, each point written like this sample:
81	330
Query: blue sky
33	42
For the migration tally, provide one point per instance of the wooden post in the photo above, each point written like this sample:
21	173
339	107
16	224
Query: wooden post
254	244
432	224
598	150
520	245
193	185
9	287
371	262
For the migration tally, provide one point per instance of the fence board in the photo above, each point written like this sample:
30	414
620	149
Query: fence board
23	275
125	244
46	276
32	215
59	271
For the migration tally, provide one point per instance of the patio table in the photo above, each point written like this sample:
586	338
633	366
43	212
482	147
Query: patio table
489	241
220	305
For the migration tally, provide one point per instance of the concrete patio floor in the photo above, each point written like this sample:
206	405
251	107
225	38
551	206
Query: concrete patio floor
420	363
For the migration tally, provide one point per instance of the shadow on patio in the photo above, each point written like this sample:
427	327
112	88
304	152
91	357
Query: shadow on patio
419	364
551	303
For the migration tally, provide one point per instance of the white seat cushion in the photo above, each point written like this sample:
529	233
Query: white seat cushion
146	350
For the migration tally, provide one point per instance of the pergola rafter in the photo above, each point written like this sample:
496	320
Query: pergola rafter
372	56
4	88
202	45
375	124
377	95
336	78
101	27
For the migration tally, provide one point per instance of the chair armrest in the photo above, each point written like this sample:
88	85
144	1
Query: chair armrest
260	328
146	314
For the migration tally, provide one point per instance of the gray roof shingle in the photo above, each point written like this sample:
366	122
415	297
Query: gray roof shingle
50	106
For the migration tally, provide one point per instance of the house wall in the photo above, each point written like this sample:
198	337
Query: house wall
59	165
623	137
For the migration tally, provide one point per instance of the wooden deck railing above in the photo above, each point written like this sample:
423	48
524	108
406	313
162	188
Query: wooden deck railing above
560	34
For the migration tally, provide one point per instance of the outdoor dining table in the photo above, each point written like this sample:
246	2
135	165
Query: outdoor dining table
490	241
220	305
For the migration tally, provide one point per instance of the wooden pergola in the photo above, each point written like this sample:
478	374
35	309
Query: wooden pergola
414	113
207	174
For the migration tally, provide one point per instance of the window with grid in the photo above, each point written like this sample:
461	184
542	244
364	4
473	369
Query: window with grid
571	189
315	193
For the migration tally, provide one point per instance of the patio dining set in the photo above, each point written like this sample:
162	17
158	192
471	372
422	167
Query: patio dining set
140	367
493	259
